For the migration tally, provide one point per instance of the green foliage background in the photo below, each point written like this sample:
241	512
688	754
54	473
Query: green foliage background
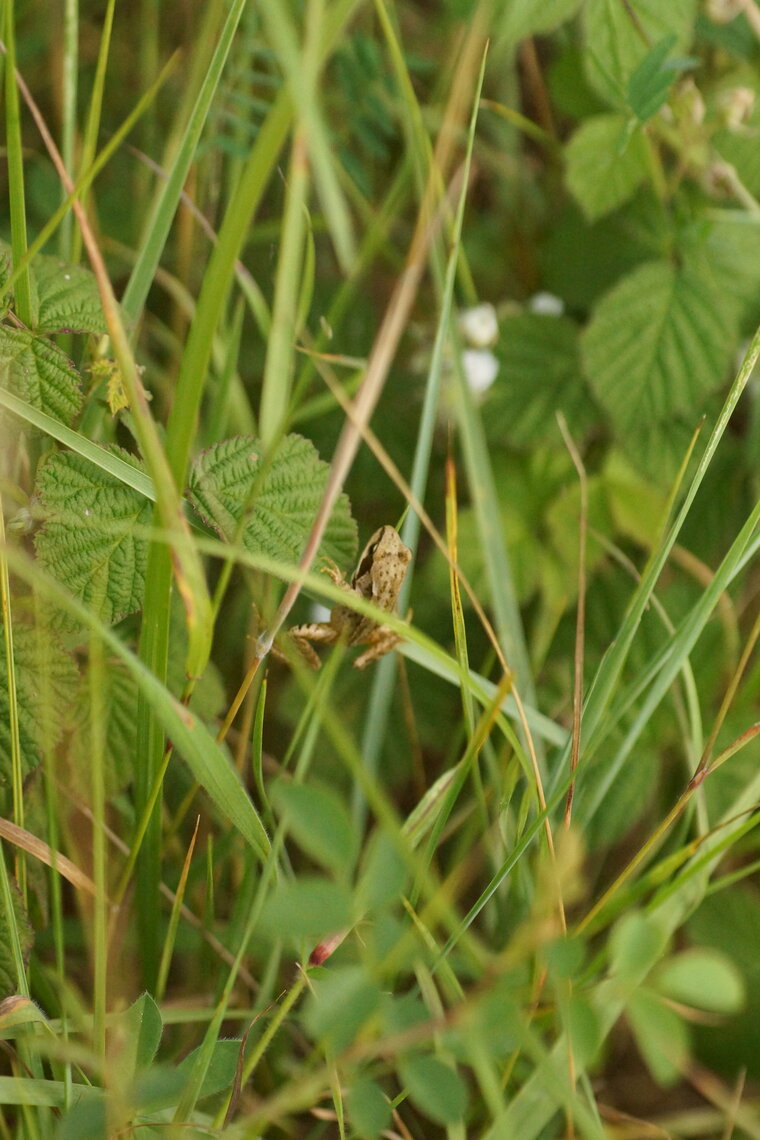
389	915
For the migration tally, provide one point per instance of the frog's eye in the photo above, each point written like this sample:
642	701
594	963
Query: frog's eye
369	557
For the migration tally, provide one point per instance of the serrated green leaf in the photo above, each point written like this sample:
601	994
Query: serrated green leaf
86	539
540	375
658	344
435	1088
277	503
319	823
40	373
46	687
605	164
620	43
65	298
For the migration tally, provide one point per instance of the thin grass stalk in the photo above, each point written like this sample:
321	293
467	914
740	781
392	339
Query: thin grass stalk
167	199
95	108
14	144
69	91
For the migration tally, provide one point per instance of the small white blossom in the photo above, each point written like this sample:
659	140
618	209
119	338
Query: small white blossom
318	612
480	368
479	325
546	305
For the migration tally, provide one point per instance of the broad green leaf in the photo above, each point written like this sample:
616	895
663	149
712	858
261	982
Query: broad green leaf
605	165
342	1000
221	1068
86	539
368	1109
619	42
320	824
269	507
658	344
40	373
540	375
705	979
46	687
307	907
524	18
435	1088
137	1035
65	298
661	1036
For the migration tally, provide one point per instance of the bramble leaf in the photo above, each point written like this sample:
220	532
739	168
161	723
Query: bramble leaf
87	536
46	680
605	164
658	343
269	508
40	373
540	375
65	298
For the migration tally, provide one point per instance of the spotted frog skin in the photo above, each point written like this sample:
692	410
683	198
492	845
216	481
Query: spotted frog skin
378	578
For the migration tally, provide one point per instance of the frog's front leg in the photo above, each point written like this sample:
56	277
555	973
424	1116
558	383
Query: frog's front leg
380	640
320	632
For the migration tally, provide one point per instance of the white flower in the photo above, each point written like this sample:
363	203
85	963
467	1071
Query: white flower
479	325
546	305
480	368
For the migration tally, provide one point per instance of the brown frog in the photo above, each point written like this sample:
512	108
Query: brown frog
378	578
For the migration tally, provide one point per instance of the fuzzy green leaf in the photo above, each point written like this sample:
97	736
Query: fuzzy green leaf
604	165
46	680
40	373
540	375
86	539
658	344
269	508
65	298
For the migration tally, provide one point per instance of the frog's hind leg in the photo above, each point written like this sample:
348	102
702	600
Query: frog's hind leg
303	635
380	641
